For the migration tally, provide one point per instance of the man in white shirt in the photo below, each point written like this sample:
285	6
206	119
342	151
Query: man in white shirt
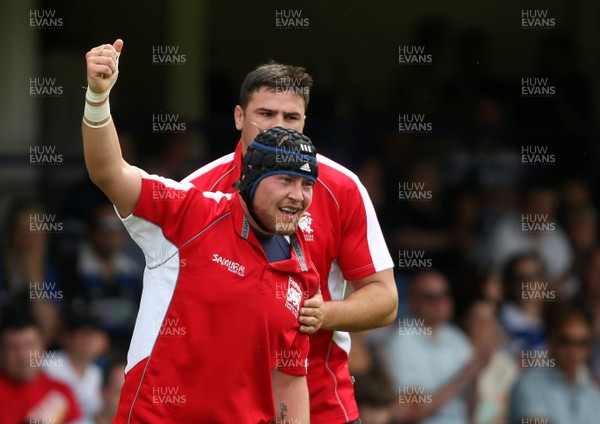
74	366
430	360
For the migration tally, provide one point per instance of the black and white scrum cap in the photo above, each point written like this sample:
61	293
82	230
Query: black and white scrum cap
277	150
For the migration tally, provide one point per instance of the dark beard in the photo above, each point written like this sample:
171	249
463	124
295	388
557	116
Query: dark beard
261	225
281	228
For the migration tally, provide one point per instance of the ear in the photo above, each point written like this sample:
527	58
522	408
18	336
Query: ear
238	116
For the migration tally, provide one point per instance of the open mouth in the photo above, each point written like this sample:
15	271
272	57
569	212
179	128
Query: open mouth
289	213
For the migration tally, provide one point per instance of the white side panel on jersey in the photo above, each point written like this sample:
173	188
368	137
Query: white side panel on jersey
337	286
335	282
166	181
159	286
377	247
208	167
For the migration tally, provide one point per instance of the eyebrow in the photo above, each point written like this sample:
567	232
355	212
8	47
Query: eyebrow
296	177
264	109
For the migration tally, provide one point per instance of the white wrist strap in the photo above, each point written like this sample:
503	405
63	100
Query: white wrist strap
96	113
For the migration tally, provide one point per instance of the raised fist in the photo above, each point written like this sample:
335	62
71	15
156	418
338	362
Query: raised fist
103	66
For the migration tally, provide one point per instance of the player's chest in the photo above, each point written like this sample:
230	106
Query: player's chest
237	274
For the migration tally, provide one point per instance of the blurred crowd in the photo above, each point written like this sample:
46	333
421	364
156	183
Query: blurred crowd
498	261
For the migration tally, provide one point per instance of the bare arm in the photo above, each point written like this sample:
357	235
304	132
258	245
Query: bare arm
116	178
373	304
290	398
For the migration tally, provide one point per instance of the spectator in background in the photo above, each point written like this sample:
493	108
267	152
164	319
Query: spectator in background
563	391
478	282
581	224
490	397
178	153
102	278
111	391
374	395
422	220
431	357
533	228
84	342
522	314
575	192
590	296
27	276
28	394
373	389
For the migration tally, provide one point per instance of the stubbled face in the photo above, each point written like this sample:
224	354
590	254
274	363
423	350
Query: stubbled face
280	200
269	108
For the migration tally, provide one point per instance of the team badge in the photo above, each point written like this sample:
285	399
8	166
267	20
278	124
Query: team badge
305	225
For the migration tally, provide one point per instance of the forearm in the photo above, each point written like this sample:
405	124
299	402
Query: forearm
372	305
102	152
118	180
440	398
449	391
290	399
108	170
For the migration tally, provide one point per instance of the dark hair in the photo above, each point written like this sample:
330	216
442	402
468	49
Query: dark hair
511	279
465	309
276	76
415	278
556	315
14	319
374	388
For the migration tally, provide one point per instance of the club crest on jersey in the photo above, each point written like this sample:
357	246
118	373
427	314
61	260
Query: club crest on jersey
294	297
305	225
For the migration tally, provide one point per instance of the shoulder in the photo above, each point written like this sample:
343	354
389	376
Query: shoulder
219	166
339	183
335	174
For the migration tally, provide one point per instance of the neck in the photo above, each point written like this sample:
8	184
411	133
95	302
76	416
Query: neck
433	325
570	375
79	364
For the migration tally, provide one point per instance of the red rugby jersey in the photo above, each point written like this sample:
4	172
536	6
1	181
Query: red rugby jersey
215	317
346	243
41	400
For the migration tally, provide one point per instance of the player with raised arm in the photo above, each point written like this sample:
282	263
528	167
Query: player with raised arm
225	278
